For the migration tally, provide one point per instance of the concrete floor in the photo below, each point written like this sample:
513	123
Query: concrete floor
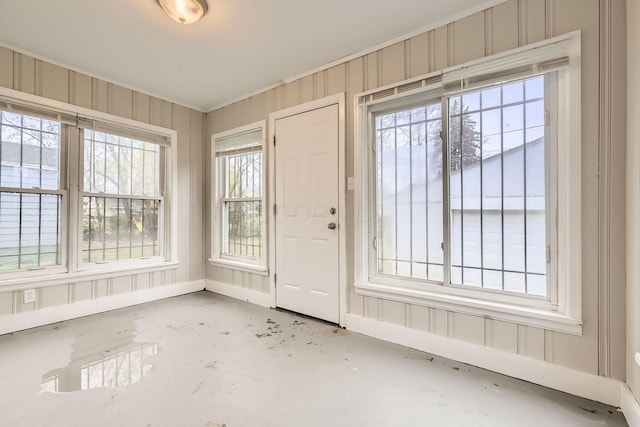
210	361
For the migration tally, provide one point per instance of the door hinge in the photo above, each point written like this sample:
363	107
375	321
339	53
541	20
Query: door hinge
441	135
274	140
373	146
442	245
274	209
275	278
375	243
547	117
548	252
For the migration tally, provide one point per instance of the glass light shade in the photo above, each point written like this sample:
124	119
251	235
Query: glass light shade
184	11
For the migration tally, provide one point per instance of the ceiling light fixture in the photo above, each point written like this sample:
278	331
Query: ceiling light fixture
184	11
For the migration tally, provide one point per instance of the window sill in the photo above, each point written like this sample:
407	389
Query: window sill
240	266
491	310
10	285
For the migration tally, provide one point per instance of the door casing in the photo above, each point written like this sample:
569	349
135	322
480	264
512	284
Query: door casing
338	99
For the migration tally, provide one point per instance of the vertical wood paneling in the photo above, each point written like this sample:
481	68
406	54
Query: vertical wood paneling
121	285
534	20
440	48
307	88
392	59
99	95
25	74
441	322
467	328
531	342
504	28
6	67
155	111
393	312
82	291
371	308
469	38
320	84
196	192
291	94
418	317
181	121
501	335
141	108
371	71
6	303
336	81
419	48
53	82
100	288
54	295
142	281
80	89
120	101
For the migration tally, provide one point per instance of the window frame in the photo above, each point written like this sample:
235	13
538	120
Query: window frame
219	224
562	311
72	270
162	208
63	192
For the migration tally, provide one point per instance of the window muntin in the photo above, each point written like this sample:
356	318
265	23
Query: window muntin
497	186
241	204
122	205
30	192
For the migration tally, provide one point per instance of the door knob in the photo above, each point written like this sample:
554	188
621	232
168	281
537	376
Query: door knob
332	226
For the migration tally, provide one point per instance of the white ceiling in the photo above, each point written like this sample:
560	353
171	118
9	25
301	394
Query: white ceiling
238	48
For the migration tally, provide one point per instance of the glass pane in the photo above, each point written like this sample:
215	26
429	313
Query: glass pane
409	192
29	230
29	157
244	228
118	165
115	229
497	186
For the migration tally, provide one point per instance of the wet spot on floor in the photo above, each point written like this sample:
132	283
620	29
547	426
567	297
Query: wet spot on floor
341	332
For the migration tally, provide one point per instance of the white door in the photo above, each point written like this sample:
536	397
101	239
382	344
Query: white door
307	194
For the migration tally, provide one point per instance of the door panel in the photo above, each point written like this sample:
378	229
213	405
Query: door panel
307	255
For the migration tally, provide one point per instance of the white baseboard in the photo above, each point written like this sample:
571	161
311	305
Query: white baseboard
590	386
630	407
238	292
46	316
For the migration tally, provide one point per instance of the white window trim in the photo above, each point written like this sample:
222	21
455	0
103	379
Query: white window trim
71	222
567	316
218	258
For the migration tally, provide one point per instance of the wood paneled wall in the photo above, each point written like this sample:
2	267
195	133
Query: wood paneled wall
24	73
505	26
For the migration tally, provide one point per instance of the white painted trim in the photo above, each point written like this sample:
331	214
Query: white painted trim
589	386
480	6
340	100
46	316
258	265
629	406
238	292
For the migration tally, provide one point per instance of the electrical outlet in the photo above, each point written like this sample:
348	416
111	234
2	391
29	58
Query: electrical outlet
29	296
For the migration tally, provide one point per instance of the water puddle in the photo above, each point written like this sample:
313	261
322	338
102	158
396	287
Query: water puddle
102	359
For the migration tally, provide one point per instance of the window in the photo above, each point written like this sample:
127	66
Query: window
466	187
31	192
121	200
82	193
238	221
